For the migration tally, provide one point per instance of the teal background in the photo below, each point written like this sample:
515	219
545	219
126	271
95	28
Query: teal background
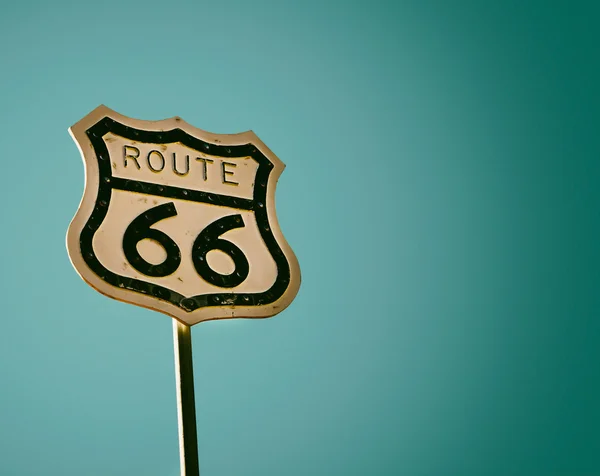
441	195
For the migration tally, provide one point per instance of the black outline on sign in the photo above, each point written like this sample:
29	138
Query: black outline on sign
258	204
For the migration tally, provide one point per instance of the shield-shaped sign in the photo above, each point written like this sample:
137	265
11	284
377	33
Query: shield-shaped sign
180	220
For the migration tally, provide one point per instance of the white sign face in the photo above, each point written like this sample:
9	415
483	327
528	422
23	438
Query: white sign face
179	220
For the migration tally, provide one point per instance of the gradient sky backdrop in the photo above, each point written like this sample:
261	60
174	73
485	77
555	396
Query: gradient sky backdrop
441	194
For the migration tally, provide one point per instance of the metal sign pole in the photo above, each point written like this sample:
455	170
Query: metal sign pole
186	408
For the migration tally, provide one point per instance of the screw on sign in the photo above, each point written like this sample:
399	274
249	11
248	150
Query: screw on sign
181	221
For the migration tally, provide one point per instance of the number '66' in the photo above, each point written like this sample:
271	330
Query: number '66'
208	240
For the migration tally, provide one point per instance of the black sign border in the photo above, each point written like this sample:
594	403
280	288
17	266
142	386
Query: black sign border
258	205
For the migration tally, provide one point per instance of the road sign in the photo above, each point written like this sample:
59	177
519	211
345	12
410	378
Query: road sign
180	220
